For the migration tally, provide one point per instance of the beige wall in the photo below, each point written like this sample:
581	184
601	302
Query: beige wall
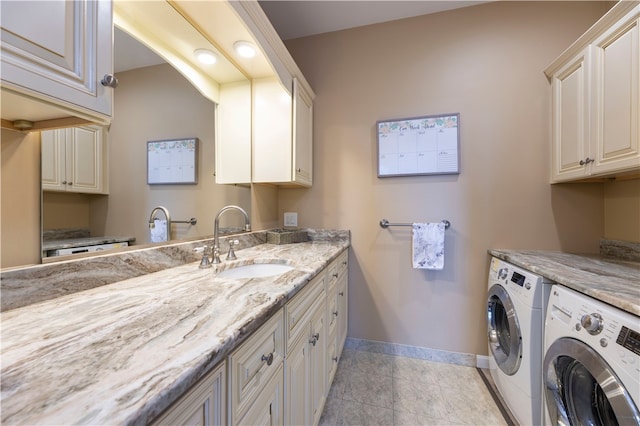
486	63
63	210
157	103
622	210
20	199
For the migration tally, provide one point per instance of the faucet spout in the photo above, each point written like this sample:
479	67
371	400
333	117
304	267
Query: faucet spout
166	215
216	229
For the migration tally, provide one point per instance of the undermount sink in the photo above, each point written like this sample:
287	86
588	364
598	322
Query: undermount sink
255	270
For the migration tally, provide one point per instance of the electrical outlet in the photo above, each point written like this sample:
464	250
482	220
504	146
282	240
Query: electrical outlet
290	219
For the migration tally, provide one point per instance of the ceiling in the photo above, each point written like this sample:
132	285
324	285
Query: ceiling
293	19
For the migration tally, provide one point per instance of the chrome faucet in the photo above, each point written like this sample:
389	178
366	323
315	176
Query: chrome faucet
216	229
166	215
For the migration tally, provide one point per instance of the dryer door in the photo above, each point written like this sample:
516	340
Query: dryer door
505	336
581	388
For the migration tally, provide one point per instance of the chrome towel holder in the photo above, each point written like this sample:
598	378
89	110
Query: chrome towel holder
384	223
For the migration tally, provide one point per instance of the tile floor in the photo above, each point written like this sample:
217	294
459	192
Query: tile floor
378	389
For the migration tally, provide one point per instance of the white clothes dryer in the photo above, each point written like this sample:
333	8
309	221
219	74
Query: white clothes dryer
591	367
516	306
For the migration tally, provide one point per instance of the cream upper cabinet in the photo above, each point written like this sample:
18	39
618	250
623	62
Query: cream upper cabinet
282	133
57	53
595	96
204	404
75	160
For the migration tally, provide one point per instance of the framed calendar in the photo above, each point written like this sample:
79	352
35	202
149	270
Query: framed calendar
427	145
173	161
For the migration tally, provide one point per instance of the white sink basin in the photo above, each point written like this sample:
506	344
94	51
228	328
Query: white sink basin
255	270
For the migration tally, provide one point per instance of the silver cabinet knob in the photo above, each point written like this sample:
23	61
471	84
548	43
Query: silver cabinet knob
586	161
314	339
341	293
335	313
109	80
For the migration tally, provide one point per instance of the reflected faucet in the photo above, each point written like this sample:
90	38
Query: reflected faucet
166	215
216	229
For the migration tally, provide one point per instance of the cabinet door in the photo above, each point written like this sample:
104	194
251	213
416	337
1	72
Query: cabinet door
203	405
266	409
616	95
84	153
343	310
318	362
233	141
302	135
53	160
59	51
570	119
272	132
296	376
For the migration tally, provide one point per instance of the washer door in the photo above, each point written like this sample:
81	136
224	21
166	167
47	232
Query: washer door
505	336
581	388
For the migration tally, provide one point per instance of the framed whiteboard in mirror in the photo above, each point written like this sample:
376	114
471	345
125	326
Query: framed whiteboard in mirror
172	161
427	145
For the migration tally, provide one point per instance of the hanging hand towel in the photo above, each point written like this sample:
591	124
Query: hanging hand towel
428	245
158	230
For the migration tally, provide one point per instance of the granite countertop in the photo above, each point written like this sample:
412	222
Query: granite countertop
122	353
84	241
616	282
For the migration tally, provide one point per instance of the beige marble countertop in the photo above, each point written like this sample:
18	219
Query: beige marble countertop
123	352
616	282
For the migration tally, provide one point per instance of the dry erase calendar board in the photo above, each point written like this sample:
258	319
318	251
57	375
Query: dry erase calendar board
419	146
172	161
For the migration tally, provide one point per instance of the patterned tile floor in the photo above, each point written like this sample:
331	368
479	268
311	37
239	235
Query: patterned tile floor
379	389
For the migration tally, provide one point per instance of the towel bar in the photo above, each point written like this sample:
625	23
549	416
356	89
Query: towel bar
384	223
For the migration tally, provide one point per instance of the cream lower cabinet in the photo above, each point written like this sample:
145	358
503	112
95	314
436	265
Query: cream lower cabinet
204	404
255	376
58	52
282	373
75	160
337	315
305	363
595	100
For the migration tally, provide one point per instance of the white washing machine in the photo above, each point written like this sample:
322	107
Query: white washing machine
516	306
591	368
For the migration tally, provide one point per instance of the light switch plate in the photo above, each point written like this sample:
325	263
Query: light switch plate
290	219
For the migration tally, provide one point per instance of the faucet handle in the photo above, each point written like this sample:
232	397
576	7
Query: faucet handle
204	263
231	255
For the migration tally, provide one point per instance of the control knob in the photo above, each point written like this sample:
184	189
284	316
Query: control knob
502	273
592	323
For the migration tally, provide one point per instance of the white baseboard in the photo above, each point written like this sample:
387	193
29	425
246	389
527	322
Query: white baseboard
482	361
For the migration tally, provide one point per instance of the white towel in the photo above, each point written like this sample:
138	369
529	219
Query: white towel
158	230
428	245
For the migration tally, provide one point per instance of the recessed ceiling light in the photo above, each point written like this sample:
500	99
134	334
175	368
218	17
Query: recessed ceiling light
205	56
245	49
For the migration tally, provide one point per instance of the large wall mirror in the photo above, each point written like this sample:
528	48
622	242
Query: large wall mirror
153	101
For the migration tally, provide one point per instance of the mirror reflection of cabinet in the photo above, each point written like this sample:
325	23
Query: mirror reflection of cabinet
74	160
57	52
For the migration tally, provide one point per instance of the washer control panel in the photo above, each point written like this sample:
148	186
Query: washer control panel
612	332
525	285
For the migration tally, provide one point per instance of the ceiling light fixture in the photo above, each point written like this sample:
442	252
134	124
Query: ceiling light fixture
245	49
206	56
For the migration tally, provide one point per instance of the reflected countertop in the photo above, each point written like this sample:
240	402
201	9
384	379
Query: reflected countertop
123	352
85	241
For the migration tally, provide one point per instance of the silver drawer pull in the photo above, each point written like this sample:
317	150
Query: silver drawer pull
335	313
335	275
341	293
335	358
268	358
315	339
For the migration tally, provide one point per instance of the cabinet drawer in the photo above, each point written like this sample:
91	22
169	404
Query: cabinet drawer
253	363
298	309
336	268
